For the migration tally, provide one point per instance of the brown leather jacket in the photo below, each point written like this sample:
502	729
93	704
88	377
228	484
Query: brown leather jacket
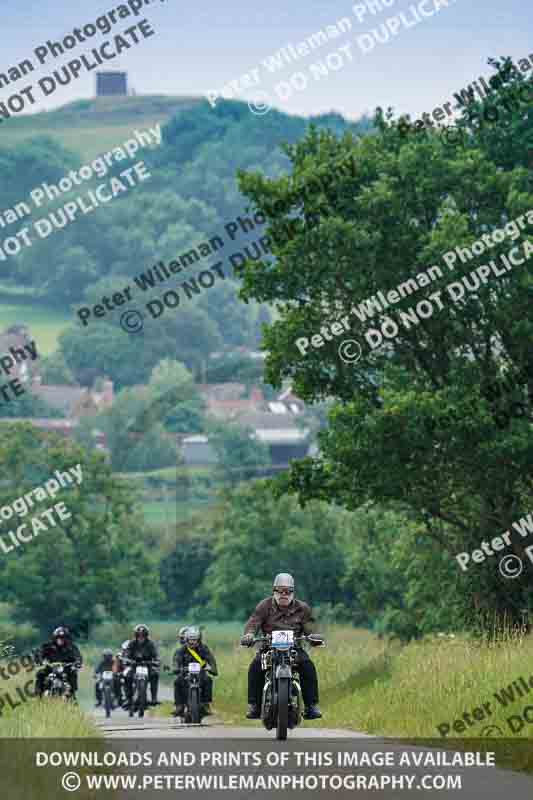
268	617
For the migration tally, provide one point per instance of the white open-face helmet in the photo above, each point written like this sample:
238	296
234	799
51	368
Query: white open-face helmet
283	586
192	634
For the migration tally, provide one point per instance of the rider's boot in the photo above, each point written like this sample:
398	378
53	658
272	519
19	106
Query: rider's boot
178	711
312	712
254	712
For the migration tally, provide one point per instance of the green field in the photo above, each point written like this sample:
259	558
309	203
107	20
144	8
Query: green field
45	324
90	127
173	494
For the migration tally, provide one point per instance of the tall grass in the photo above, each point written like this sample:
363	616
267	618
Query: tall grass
377	687
47	719
39	726
436	681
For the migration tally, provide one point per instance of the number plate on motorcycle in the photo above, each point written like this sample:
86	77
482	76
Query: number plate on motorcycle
142	670
282	638
107	676
194	667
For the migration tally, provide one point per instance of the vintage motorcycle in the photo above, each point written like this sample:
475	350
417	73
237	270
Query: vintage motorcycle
193	712
281	705
141	674
56	683
106	685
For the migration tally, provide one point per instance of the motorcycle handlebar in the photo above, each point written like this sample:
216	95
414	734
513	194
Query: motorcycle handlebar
69	664
184	669
311	638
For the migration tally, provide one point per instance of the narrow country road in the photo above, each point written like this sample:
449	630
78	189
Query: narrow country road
159	734
121	726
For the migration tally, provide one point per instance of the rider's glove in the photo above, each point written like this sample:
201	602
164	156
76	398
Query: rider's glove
247	640
315	640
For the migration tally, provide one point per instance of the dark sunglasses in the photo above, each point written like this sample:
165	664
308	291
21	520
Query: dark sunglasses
284	591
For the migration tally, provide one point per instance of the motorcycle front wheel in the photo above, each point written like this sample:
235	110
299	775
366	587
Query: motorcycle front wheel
108	701
141	698
194	704
282	708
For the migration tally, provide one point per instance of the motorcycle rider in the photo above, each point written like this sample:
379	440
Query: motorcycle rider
58	648
277	613
193	650
121	667
181	634
142	648
107	664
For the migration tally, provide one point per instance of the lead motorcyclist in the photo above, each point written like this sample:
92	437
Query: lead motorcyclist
277	613
58	648
193	650
142	648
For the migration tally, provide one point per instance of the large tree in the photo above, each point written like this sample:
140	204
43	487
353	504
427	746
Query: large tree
358	217
86	568
256	537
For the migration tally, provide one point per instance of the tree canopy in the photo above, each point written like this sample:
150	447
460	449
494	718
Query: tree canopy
414	422
85	568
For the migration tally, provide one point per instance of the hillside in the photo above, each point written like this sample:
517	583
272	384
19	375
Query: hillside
92	126
192	193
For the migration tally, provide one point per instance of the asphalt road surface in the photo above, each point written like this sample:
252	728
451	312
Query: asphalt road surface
121	725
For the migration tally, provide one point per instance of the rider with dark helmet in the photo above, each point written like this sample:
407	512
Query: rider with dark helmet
58	648
282	612
142	648
193	650
107	664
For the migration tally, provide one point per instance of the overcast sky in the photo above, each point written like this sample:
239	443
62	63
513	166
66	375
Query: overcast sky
202	45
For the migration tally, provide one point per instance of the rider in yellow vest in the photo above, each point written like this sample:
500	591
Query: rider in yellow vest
193	650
